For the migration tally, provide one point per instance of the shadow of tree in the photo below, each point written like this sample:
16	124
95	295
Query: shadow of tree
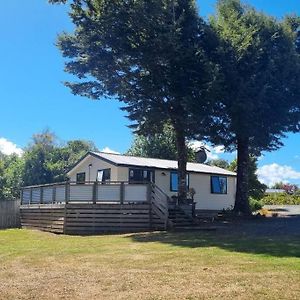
277	246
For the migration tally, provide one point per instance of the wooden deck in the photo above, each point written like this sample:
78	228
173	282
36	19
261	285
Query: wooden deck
91	218
80	210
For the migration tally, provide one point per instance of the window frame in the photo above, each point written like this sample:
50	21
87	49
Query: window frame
103	170
212	187
176	173
79	181
142	170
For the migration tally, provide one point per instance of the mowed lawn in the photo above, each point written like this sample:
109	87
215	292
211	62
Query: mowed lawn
158	265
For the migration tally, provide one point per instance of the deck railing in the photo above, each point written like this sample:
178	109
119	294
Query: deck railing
99	193
86	192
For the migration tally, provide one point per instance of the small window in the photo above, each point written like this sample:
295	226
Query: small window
103	175
174	181
218	185
80	177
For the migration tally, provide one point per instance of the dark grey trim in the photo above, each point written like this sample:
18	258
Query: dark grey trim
188	180
103	173
82	181
141	168
211	185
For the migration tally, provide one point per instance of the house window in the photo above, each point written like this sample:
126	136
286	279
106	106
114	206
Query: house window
141	175
103	175
174	181
80	177
218	185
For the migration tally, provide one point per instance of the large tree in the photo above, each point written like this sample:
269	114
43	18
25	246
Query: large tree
256	189
260	100
151	56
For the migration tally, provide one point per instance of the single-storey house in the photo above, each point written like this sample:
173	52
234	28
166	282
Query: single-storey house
214	187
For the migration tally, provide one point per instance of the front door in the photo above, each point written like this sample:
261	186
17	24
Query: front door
141	175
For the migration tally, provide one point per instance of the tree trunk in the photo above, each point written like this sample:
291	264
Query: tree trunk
242	198
182	162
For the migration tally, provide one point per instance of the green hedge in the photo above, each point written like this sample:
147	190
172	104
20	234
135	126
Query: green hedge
281	199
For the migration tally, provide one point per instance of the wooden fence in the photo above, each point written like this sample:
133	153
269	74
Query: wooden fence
9	214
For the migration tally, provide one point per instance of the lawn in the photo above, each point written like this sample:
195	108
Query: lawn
200	265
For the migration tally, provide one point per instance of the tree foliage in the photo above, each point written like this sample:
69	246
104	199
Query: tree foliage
158	145
11	176
44	161
47	162
256	189
221	163
260	64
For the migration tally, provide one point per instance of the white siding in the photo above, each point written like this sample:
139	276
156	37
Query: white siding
201	183
97	164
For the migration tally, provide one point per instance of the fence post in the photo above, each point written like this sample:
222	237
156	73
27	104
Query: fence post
95	190
122	192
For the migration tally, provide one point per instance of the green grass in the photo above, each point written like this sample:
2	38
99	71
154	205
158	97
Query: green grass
37	265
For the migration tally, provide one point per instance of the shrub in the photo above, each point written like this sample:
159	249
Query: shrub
281	199
255	204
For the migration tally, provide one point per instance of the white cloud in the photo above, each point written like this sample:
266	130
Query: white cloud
270	174
219	149
7	147
108	150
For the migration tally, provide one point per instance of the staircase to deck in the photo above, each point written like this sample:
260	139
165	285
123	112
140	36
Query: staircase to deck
179	218
172	215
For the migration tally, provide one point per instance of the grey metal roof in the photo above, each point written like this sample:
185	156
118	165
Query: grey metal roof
275	191
125	160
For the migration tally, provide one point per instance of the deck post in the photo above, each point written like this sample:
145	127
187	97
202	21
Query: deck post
41	195
30	197
149	196
122	192
67	192
53	194
21	196
95	189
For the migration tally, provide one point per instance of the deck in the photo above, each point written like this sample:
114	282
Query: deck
94	207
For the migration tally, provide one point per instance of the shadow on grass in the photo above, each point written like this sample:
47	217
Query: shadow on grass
269	246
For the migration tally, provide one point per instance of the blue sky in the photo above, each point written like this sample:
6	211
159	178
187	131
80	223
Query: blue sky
33	97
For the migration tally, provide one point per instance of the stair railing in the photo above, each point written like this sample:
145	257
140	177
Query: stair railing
159	204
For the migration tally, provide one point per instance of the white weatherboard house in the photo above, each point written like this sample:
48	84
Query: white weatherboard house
215	187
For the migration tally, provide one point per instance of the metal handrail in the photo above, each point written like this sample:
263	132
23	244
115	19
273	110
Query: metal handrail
91	196
84	182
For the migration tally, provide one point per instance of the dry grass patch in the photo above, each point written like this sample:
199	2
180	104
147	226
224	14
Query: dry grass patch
37	265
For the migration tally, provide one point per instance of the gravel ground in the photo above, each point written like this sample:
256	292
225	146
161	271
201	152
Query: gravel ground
284	210
264	227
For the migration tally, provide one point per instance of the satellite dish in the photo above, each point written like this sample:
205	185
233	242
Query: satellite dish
201	155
